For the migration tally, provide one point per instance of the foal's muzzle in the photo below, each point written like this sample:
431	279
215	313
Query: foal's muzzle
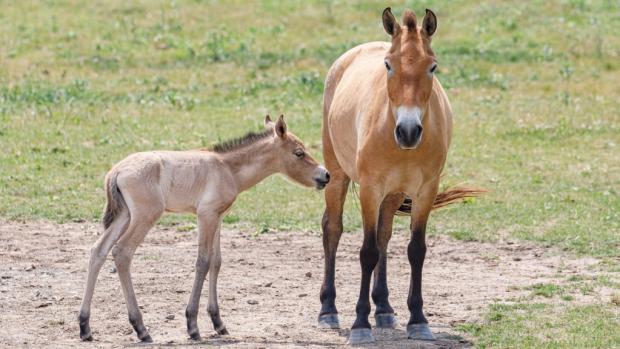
321	177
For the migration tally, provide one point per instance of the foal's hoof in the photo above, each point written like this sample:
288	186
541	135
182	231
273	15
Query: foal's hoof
195	336
146	339
329	321
86	337
222	331
385	320
420	332
360	336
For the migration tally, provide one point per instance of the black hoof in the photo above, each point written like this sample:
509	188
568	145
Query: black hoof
222	331
385	320
195	336
146	339
329	321
86	337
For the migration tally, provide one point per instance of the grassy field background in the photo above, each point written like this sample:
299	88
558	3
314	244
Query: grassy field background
534	87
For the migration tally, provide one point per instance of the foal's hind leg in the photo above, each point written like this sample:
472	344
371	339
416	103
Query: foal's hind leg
384	314
141	222
98	254
208	223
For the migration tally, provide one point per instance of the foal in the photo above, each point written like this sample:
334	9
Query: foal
144	185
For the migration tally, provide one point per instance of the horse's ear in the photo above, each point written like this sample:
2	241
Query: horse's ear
429	24
389	22
281	127
268	120
410	21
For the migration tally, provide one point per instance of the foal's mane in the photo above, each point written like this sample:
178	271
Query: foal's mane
236	143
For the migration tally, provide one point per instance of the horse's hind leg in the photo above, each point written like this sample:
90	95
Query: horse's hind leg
214	269
335	194
142	220
98	254
384	314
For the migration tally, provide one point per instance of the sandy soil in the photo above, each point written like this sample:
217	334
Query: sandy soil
268	287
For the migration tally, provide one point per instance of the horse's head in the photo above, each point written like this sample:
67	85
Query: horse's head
292	158
410	65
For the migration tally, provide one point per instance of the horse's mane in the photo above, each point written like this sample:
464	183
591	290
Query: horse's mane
240	142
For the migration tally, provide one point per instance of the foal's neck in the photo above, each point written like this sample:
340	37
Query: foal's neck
251	164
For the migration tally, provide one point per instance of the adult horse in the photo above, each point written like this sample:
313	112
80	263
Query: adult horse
387	125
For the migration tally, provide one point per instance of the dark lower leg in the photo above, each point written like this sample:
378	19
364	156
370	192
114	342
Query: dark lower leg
191	312
416	252
380	291
369	255
332	230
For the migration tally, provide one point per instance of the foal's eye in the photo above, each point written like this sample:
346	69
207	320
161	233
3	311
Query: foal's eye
433	68
299	153
387	66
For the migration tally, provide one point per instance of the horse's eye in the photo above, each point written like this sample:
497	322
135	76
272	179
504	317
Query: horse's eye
387	66
299	153
433	68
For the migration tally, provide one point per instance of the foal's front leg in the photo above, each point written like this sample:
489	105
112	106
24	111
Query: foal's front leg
208	223
213	308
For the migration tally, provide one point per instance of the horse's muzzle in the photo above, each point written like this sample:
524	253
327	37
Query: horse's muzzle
321	177
408	134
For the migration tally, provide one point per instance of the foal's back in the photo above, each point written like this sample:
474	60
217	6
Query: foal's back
178	179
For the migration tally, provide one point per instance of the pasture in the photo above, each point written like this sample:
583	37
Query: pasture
534	88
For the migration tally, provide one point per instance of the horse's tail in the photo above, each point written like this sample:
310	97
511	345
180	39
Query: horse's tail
116	203
445	198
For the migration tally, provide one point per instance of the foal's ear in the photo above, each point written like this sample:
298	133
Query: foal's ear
268	120
429	24
390	24
410	21
281	127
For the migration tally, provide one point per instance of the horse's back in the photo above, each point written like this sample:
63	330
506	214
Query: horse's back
350	87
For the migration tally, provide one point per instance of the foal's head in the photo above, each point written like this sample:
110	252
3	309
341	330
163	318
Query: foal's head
410	65
293	159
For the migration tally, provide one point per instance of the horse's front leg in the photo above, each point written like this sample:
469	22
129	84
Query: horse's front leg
370	198
384	313
417	328
208	222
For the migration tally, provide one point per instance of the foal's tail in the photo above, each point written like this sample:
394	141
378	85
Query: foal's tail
116	203
445	198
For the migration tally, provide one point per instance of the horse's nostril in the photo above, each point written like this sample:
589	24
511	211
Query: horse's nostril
418	130
327	176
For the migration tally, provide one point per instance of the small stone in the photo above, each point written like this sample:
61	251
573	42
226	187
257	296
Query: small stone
309	274
43	305
252	301
112	270
31	267
170	317
268	284
516	259
302	295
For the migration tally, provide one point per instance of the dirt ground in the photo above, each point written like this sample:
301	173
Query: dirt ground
268	287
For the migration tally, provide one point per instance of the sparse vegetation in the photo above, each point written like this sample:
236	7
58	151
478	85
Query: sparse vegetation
533	85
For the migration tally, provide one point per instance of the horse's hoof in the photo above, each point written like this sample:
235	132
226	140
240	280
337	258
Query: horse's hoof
360	336
385	320
329	321
195	336
222	331
146	339
86	337
420	332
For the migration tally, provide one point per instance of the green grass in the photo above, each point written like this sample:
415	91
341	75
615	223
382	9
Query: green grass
538	325
533	85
